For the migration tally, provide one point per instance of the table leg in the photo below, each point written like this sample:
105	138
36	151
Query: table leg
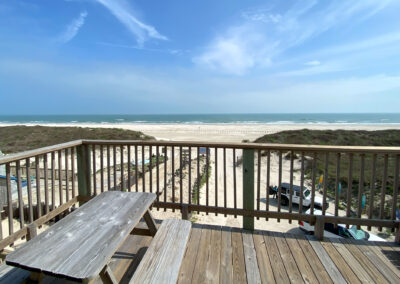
150	223
107	276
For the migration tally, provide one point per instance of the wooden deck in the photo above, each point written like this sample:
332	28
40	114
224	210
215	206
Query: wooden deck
227	255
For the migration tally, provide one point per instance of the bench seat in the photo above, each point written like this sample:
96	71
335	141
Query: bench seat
163	259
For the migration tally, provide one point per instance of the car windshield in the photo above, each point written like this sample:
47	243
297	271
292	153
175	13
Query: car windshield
358	234
307	193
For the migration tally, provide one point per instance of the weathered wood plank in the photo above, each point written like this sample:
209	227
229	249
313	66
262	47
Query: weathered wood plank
212	268
250	258
202	256
87	238
341	264
189	260
302	263
238	264
351	261
157	265
287	258
226	269
365	262
312	258
326	260
12	275
264	264
276	261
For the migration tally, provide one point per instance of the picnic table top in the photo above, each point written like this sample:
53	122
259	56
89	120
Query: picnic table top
81	244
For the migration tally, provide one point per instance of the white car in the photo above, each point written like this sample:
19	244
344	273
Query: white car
285	196
340	231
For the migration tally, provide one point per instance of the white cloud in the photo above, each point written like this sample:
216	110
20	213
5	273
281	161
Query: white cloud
123	12
73	28
234	51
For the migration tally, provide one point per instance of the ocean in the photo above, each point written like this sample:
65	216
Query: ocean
267	118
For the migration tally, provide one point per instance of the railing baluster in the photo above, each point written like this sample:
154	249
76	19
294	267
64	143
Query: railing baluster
46	184
143	169
165	174
325	189
94	170
122	168
29	188
53	181
136	169
314	172
73	171
349	186
180	178
20	200
108	168
158	174
9	201
190	176
361	186
101	167
337	181
225	201
279	183
372	188
60	178
129	169
258	180
383	189
216	179
38	191
173	174
234	180
198	177
207	182
268	180
291	184
115	166
66	175
395	186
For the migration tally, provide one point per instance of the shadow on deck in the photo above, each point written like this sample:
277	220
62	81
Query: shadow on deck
218	254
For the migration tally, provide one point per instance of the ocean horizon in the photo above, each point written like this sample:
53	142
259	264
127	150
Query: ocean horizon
270	118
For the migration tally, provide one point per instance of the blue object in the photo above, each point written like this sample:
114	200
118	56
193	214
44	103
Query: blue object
363	200
340	187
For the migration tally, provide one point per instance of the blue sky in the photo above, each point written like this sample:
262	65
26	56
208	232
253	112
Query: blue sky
179	56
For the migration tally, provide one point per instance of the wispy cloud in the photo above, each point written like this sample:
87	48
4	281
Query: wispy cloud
124	13
313	63
73	28
268	33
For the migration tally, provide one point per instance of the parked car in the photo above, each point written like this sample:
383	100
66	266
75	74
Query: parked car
285	196
340	231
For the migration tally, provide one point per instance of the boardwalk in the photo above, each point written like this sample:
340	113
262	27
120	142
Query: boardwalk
228	255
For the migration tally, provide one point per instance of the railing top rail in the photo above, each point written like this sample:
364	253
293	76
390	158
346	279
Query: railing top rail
39	151
261	146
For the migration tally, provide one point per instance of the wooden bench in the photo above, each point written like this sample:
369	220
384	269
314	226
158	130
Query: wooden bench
163	258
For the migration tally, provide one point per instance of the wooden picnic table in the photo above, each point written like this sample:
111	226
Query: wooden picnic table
80	246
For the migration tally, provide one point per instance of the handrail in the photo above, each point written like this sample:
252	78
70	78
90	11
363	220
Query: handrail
39	151
255	146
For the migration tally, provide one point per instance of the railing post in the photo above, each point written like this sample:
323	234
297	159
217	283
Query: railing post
83	160
248	187
319	227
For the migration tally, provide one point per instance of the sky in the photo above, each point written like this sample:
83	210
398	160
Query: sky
179	56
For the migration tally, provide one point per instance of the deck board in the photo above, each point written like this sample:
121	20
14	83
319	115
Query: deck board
217	254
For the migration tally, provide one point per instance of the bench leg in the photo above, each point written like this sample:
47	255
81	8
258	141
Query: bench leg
107	276
150	223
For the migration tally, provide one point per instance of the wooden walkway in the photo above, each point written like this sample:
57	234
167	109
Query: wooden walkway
227	255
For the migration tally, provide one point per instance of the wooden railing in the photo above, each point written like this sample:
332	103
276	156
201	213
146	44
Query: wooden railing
360	184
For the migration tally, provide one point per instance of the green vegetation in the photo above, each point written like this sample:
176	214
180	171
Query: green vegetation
198	184
15	139
345	138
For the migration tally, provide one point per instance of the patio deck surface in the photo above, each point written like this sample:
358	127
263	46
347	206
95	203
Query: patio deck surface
218	254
